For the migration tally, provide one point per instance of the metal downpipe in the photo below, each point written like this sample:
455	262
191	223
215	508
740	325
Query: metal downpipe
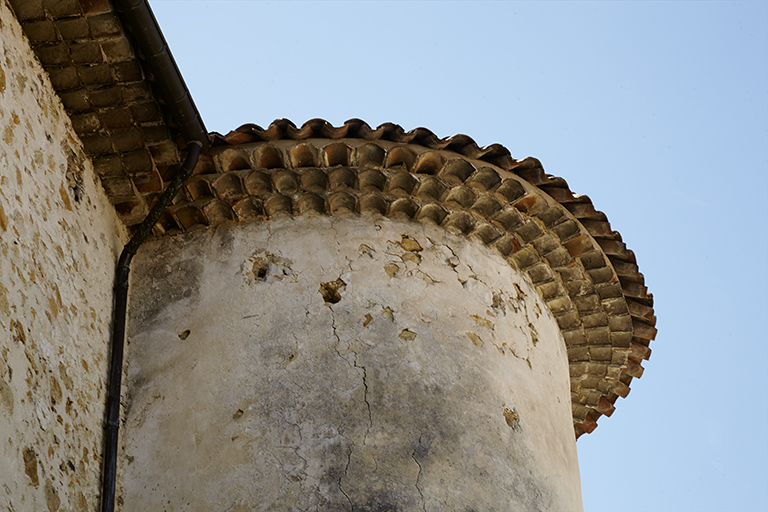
140	22
112	425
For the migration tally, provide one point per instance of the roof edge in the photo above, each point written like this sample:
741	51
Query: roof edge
138	18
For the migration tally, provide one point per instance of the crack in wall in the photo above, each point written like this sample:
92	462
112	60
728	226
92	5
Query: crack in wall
296	474
303	473
301	438
498	304
336	335
418	477
474	274
349	265
346	468
365	398
354	365
282	470
287	360
453	261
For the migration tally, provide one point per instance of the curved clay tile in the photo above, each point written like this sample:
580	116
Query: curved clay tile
578	264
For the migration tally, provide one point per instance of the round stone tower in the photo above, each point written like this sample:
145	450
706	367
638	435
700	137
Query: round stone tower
357	319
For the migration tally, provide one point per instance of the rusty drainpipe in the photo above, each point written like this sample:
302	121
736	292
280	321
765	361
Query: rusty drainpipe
138	19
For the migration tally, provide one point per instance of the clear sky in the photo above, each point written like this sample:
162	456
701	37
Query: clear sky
656	110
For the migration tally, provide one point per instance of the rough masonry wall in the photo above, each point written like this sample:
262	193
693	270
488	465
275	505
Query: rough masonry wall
346	363
58	240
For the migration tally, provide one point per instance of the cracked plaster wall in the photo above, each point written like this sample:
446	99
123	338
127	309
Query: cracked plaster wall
342	363
58	237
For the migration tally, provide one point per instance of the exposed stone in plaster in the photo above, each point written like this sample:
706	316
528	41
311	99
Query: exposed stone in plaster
281	399
331	291
58	239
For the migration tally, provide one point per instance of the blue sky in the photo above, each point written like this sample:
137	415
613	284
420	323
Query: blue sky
656	110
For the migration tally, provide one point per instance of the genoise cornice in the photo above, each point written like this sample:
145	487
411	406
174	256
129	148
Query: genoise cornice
578	264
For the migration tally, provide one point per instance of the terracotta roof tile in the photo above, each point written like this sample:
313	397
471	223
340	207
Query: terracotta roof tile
580	265
93	67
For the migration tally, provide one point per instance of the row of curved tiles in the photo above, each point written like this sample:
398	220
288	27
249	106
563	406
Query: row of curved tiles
579	265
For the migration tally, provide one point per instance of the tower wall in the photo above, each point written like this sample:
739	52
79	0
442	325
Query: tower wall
342	363
58	238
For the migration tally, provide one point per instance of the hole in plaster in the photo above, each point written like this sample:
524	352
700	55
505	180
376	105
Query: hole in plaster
184	335
260	268
266	267
512	418
331	290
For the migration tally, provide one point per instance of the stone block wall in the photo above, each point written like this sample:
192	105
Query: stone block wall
59	239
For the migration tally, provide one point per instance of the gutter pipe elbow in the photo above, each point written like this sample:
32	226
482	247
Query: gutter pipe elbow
139	20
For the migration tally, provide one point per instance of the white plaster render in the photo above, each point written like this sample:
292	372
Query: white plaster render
58	239
342	363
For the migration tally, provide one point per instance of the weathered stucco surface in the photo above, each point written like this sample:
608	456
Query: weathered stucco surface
342	363
58	238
